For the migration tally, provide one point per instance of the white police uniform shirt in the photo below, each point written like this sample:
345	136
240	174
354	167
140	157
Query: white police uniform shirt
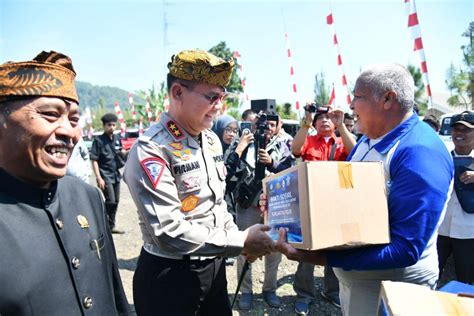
178	186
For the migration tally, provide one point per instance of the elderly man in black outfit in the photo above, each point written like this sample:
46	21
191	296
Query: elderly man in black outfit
57	254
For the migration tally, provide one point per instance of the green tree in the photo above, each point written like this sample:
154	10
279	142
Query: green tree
460	81
234	112
235	87
457	82
285	111
97	114
156	98
420	100
321	90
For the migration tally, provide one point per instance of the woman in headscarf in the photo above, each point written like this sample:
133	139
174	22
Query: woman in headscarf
226	127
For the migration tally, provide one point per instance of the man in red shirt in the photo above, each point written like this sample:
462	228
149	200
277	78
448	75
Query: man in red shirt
317	141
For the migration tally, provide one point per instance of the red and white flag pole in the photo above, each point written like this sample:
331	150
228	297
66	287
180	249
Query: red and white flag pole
292	72
330	22
140	127
237	57
415	32
332	98
132	106
121	119
148	110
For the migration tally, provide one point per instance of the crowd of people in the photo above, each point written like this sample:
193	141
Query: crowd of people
195	178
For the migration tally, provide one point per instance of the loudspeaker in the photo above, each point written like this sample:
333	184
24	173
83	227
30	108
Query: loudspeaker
266	105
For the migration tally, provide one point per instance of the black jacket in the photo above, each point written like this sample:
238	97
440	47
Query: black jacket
107	152
56	253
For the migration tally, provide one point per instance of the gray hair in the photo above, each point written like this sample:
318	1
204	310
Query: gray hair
382	78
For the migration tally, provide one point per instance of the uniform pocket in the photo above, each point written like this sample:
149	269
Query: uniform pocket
97	245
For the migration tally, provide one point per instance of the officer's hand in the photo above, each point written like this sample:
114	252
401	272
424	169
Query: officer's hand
250	258
467	177
337	117
101	183
264	157
258	243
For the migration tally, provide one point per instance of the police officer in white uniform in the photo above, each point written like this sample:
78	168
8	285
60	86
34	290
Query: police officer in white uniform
176	176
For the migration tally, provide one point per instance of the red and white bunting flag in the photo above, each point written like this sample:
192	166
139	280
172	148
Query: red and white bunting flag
141	130
415	32
330	22
237	57
121	119
132	106
292	72
148	110
332	98
166	103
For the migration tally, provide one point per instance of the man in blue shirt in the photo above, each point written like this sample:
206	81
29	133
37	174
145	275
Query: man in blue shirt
418	172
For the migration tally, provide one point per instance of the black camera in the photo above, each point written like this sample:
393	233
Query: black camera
316	108
262	128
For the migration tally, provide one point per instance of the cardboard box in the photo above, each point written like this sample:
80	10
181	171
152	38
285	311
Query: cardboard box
329	204
399	298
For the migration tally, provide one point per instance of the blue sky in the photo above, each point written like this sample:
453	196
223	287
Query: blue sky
122	43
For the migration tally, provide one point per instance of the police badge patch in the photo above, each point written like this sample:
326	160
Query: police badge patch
176	145
154	168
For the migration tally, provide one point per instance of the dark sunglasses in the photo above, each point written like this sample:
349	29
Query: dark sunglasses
213	99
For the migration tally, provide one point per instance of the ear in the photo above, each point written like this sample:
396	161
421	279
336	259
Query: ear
389	99
176	91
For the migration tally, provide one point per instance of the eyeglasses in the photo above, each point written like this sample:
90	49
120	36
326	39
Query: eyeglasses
213	99
230	130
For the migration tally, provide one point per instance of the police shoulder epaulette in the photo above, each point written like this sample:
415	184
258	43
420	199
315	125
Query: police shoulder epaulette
174	130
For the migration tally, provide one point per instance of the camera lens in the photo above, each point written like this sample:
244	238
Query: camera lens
312	108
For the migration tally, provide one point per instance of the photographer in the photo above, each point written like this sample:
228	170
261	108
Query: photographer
238	146
323	146
324	121
273	155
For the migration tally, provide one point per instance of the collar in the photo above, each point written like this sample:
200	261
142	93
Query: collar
176	131
25	192
333	136
107	138
392	137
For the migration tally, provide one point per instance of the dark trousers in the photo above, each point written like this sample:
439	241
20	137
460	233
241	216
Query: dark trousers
304	282
180	287
331	283
463	257
112	197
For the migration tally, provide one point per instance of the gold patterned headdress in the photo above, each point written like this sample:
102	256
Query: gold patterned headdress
49	74
201	66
